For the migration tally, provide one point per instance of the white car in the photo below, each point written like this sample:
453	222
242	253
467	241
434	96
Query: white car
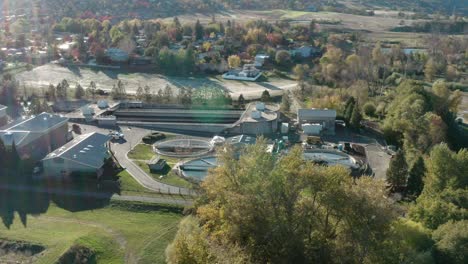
116	135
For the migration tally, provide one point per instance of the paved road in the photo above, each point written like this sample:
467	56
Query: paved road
133	136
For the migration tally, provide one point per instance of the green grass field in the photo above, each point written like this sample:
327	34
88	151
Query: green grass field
118	233
169	178
141	152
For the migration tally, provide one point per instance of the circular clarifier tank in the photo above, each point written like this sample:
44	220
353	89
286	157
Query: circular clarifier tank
331	157
184	147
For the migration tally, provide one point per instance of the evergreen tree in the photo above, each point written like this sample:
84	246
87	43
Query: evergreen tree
139	93
349	110
50	94
79	92
91	90
356	117
241	100
286	102
265	96
3	153
168	94
147	94
198	30
397	173
415	178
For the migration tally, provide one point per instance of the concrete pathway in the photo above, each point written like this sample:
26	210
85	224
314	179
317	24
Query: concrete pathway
133	136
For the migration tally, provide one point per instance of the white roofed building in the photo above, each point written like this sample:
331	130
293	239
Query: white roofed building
85	155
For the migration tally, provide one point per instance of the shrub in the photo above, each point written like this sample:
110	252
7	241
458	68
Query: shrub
369	109
153	137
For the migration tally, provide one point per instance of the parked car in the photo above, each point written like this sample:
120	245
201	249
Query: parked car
116	135
76	128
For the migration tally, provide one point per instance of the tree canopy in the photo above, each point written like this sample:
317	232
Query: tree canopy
262	209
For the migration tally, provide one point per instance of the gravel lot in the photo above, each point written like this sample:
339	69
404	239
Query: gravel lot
40	78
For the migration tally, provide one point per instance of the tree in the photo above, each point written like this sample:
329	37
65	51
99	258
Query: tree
50	94
301	71
147	96
286	102
445	188
397	173
349	108
271	209
118	91
265	96
451	242
283	58
140	93
3	153
234	61
168	94
430	69
369	109
415	178
91	90
241	100
356	117
199	32
79	92
9	90
452	73
62	90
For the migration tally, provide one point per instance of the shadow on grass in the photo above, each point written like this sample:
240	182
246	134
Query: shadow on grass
25	197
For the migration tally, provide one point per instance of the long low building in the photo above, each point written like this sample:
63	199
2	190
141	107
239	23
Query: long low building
3	115
34	137
84	155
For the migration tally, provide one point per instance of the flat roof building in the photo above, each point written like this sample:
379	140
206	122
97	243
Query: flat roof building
324	117
84	155
36	136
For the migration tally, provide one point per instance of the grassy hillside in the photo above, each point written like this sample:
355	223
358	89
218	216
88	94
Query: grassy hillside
118	233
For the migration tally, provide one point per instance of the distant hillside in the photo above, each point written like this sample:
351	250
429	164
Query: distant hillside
164	8
426	6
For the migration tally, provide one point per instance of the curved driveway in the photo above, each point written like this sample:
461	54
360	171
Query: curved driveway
133	136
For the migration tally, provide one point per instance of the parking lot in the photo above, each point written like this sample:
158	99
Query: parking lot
377	156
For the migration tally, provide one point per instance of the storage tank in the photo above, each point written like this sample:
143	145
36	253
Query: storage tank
256	115
260	106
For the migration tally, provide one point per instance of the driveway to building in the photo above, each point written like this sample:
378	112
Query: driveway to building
133	137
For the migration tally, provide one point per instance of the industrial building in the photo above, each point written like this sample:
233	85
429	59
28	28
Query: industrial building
258	119
34	137
317	121
85	155
3	115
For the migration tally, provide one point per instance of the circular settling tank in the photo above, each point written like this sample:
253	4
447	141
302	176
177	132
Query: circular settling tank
331	157
183	147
